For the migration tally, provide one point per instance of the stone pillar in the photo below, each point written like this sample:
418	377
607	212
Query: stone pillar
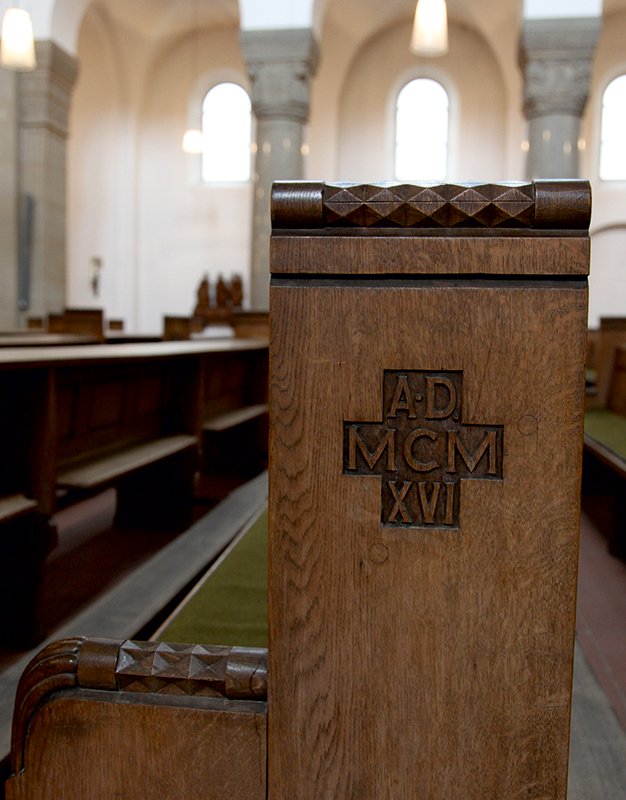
556	57
43	111
8	200
280	64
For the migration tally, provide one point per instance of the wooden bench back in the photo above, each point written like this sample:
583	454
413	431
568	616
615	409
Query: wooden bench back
617	388
612	334
109	407
88	321
426	390
176	328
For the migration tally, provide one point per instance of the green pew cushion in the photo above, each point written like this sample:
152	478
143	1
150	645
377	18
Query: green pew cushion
229	607
608	429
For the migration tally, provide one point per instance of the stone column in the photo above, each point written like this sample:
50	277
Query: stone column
8	201
280	64
43	111
556	57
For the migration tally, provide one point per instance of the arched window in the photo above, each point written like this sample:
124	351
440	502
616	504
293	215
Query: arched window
421	152
227	129
613	131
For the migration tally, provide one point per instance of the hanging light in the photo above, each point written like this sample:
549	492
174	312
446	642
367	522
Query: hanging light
17	48
193	141
430	28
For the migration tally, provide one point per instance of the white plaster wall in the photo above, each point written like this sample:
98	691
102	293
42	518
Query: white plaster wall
101	172
185	228
607	283
135	200
607	279
477	110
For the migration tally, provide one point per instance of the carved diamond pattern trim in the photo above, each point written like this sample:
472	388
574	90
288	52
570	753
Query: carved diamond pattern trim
448	205
173	668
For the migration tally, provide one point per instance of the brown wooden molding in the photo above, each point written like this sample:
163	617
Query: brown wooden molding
54	668
237	673
541	204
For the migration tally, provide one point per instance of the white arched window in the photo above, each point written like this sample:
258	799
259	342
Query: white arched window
227	130
613	131
421	146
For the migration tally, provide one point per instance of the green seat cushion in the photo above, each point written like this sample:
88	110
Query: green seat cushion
608	429
229	606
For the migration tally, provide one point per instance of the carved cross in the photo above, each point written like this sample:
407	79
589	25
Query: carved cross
422	449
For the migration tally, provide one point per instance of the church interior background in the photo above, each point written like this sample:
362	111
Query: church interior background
123	219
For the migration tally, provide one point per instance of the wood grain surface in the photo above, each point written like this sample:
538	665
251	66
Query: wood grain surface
131	747
425	662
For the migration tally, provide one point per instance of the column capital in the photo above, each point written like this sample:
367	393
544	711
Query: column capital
556	57
280	64
44	94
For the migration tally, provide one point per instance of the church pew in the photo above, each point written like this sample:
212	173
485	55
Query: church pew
605	452
79	321
105	719
250	323
235	421
422	573
610	335
79	420
176	328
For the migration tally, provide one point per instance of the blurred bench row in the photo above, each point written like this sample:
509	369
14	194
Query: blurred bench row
166	424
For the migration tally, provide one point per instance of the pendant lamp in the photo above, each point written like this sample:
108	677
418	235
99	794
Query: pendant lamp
430	28
17	47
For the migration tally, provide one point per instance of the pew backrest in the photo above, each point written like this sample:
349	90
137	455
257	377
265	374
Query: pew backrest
616	400
87	321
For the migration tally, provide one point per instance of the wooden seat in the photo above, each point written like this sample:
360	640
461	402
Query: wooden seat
14	505
231	419
101	472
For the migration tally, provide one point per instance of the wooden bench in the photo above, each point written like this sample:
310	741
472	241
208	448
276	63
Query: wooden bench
235	420
605	453
81	321
610	335
424	511
78	420
176	328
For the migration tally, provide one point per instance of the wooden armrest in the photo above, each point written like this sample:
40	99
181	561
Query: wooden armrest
103	470
13	505
230	419
170	703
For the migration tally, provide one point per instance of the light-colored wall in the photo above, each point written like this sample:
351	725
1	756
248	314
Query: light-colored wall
101	191
185	228
136	201
607	280
477	106
607	284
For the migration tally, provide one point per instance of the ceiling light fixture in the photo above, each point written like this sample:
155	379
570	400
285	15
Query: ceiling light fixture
430	28
17	47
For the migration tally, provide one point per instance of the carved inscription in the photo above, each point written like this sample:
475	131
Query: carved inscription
422	449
